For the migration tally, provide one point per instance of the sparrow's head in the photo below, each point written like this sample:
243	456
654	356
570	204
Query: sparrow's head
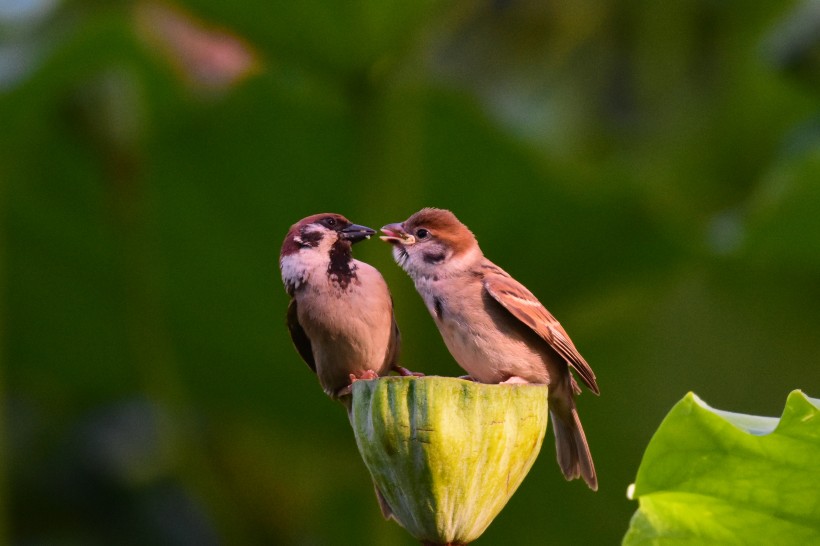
432	242
320	243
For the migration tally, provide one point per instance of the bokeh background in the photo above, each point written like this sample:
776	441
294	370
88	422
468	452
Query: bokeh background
651	170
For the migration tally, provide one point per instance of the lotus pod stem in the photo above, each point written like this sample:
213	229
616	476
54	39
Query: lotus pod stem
447	454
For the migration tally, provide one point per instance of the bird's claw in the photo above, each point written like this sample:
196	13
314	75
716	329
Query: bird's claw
366	375
467	378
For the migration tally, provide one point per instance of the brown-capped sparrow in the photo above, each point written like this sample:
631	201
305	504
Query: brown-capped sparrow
493	326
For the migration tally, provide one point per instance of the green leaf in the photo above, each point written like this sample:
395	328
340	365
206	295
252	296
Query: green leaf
715	477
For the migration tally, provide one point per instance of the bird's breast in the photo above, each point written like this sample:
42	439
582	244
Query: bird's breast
483	340
350	329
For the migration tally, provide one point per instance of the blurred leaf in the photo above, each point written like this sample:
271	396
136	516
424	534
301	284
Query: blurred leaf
334	37
794	44
783	223
715	477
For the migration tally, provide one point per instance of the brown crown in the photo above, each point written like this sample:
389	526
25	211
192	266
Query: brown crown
443	225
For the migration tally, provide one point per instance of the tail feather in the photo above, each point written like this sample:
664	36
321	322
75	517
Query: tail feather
571	447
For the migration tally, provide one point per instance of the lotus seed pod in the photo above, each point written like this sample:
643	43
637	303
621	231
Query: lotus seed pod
447	454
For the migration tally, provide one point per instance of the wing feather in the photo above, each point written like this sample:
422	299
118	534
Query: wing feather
394	345
300	339
524	306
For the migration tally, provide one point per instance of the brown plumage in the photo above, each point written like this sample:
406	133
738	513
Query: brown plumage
340	316
494	327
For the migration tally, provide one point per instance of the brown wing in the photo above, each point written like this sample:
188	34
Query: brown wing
394	345
299	337
525	307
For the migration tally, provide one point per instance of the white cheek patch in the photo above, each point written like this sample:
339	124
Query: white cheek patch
298	268
292	265
293	273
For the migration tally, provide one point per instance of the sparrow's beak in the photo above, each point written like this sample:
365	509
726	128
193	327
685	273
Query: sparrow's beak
394	233
355	233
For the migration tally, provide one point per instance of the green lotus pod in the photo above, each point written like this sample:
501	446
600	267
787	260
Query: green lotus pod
447	454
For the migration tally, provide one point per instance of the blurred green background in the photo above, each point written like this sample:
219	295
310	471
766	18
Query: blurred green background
650	170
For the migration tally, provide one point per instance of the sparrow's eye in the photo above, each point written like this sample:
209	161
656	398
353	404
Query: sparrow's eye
330	222
422	233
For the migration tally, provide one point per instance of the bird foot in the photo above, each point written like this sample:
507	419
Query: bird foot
366	375
467	378
404	372
515	380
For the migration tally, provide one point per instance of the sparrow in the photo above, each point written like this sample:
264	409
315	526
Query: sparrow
494	327
340	314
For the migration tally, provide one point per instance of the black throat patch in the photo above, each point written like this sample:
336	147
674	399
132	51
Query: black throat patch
341	270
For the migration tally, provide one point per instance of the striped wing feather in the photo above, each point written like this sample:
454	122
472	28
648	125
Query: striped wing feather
524	306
